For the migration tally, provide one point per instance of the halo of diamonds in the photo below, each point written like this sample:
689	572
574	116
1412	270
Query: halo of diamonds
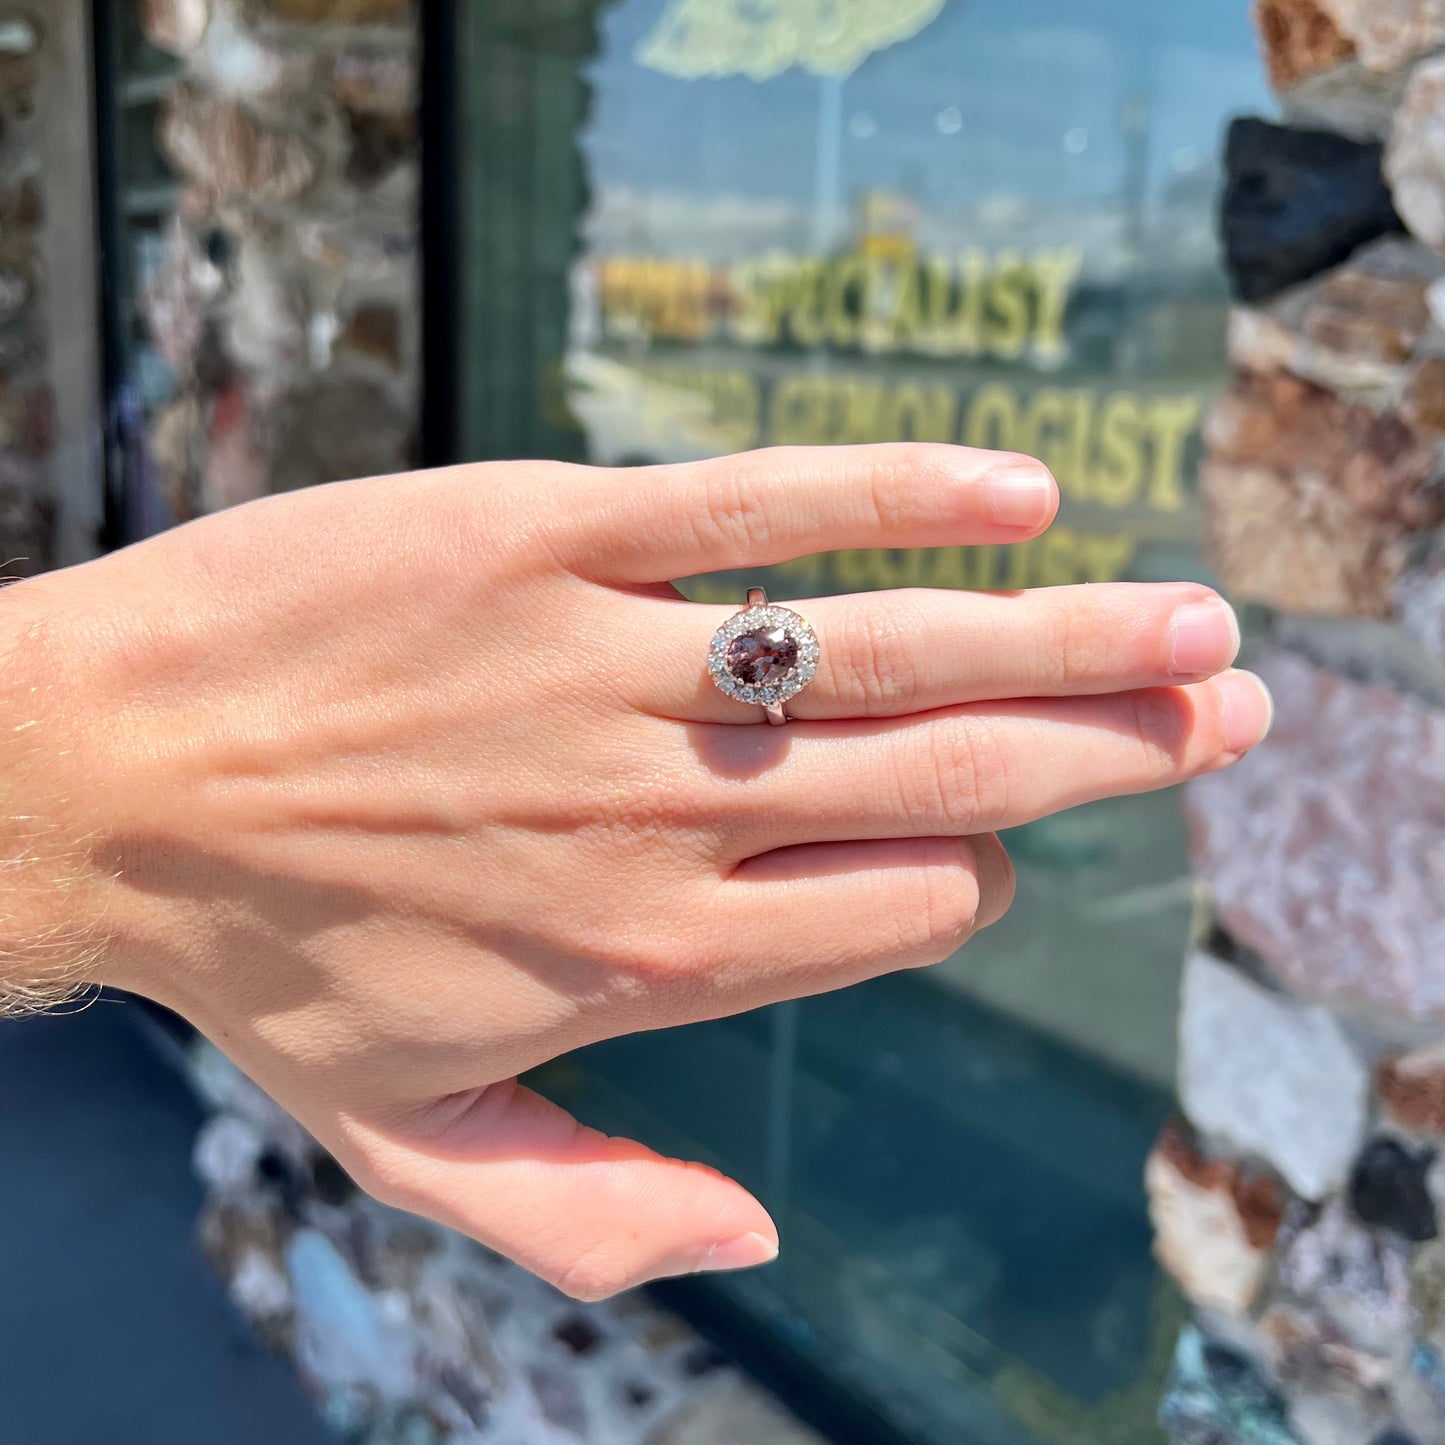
750	619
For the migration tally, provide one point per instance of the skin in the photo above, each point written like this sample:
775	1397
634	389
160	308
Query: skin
396	788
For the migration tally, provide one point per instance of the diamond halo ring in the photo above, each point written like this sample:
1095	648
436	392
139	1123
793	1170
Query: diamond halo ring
763	655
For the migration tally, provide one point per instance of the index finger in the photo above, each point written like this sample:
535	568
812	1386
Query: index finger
751	509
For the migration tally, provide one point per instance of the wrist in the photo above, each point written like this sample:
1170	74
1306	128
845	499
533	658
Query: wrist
51	934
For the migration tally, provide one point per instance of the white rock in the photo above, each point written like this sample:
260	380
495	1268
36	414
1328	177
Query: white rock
1415	156
1269	1077
1387	33
226	1152
342	1338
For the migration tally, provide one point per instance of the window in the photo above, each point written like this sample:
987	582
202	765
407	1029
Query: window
689	227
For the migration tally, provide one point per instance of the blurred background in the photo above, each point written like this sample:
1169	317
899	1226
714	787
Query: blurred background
254	245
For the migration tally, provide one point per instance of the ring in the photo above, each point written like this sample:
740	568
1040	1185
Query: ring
763	655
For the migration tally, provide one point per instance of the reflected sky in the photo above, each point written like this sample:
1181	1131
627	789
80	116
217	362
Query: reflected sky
1045	99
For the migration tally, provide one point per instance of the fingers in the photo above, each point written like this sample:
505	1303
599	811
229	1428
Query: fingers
972	769
590	1214
883	654
652	524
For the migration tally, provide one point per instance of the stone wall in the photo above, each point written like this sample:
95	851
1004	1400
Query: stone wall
28	435
1297	1199
286	303
406	1334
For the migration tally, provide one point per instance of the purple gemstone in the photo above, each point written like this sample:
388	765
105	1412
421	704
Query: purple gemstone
762	656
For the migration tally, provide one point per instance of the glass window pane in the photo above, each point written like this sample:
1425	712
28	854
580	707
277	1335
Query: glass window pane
694	226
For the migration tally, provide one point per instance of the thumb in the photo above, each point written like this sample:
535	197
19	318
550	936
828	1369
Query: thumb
590	1214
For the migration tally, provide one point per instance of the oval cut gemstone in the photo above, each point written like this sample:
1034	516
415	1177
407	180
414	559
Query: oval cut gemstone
763	656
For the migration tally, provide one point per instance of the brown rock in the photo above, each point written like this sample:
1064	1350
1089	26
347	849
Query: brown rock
375	333
220	145
1423	404
177	26
341	12
1352	331
1412	1089
1379	318
1305	552
1257	1198
1299	38
1415	156
1309	499
379	143
1325	849
1389	33
334	430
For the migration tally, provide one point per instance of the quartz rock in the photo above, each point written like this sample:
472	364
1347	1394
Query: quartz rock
1389	33
1325	849
1388	1189
1354	1278
1270	1078
220	145
1297	202
175	25
1415	159
1310	499
226	1151
1305	550
1352	331
1420	603
1347	98
342	1338
1300	38
1213	1223
1216	1396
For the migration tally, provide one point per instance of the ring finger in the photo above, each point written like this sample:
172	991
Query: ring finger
885	654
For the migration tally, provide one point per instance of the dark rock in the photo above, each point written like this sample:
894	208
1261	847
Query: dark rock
1388	1188
579	1334
330	1182
1392	1436
1297	202
379	143
375	332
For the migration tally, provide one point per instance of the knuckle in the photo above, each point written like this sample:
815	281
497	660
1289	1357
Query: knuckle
875	668
735	519
967	771
944	917
596	1275
1162	719
1076	653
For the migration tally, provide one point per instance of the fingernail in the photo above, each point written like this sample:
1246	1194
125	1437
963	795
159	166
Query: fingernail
742	1251
1203	637
1248	709
1020	496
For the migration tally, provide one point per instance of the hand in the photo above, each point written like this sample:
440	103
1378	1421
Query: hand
399	787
